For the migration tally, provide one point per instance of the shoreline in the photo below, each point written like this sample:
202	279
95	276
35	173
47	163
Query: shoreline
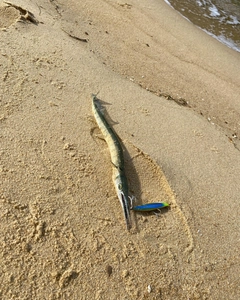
216	22
63	234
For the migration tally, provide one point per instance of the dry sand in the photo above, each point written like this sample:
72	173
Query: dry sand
63	234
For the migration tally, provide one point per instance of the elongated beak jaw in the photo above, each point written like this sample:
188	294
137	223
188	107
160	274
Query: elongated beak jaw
125	206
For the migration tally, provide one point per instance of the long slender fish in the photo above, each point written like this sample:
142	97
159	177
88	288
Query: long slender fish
117	158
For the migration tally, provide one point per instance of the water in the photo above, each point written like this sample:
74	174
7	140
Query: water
219	18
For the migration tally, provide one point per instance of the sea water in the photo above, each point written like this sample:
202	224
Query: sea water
219	18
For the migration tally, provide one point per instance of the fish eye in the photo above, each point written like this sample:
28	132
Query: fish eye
119	186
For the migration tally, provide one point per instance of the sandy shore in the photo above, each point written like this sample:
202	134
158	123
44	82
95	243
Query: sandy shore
173	92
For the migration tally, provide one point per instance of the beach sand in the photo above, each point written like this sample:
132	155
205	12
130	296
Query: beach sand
173	92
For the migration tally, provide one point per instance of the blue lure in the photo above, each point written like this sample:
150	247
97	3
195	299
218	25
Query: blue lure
150	206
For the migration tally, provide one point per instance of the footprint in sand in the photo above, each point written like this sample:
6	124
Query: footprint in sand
148	184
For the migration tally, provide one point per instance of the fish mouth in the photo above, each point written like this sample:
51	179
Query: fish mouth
125	206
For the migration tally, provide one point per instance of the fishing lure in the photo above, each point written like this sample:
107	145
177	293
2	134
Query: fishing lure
150	206
117	158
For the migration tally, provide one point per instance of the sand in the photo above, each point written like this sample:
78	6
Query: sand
173	92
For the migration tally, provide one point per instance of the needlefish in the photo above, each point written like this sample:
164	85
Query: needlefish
117	158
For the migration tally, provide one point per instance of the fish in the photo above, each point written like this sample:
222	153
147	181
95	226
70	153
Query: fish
117	157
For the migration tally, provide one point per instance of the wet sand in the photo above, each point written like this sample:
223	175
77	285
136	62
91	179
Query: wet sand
173	92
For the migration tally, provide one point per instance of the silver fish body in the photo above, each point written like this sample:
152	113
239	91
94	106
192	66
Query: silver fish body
117	158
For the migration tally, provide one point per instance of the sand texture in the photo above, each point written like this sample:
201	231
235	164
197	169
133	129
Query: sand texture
173	94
